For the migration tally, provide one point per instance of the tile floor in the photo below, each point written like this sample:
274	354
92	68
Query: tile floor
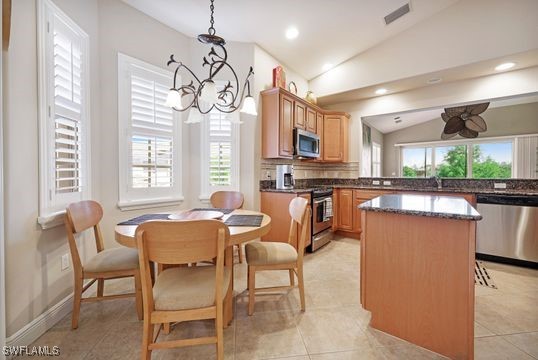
334	325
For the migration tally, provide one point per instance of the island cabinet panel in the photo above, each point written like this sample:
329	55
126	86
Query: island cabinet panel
276	205
417	279
335	136
300	115
311	120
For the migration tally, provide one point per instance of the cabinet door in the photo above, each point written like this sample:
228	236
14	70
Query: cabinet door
345	209
319	131
308	239
286	126
311	120
333	138
300	116
356	215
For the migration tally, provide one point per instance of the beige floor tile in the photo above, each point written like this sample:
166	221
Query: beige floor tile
121	342
496	348
365	353
330	330
268	335
528	342
409	352
481	331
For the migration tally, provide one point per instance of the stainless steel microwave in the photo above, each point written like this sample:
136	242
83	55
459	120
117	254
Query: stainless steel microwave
305	144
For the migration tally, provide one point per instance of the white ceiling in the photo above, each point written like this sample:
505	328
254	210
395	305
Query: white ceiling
386	123
329	31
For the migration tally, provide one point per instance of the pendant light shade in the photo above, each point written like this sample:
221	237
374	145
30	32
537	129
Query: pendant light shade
194	116
209	92
173	99
249	106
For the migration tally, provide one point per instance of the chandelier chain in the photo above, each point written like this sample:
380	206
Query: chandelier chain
211	29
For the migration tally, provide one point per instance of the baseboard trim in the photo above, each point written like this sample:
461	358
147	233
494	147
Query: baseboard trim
37	327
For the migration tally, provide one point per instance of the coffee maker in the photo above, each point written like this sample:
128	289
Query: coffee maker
284	177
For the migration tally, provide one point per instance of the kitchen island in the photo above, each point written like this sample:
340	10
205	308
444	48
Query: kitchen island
417	270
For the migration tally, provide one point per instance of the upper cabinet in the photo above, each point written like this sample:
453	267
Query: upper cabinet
283	111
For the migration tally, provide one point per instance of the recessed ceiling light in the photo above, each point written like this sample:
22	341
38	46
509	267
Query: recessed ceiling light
434	80
505	66
292	33
381	91
327	67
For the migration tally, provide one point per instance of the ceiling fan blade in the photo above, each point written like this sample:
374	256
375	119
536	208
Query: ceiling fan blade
454	125
476	123
477	108
468	133
445	117
455	111
445	136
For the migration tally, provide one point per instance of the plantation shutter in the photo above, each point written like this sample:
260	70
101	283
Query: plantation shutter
220	149
152	135
67	109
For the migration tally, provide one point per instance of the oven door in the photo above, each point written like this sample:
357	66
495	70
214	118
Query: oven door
319	223
306	144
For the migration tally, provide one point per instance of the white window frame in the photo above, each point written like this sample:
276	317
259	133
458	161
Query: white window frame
206	189
380	162
135	198
51	205
469	147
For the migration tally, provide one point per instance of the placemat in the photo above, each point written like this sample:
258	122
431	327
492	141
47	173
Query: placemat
143	218
244	220
224	211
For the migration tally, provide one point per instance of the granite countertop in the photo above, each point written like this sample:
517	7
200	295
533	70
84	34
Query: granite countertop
441	190
447	207
289	191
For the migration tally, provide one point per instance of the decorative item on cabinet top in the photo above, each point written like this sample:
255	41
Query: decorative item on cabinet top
311	98
279	77
292	87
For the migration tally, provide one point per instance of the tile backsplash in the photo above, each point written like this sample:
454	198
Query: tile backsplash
310	170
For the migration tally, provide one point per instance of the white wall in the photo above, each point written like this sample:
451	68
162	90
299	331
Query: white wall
506	120
467	32
496	86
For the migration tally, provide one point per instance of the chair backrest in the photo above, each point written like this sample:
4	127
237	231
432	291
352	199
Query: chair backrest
180	242
227	199
300	214
81	216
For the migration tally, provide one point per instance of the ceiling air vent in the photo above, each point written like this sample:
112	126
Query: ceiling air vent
396	14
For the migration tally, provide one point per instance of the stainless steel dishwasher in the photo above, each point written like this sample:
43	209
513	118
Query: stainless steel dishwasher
508	231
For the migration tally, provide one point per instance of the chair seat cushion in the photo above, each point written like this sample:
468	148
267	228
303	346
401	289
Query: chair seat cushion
187	288
113	260
270	253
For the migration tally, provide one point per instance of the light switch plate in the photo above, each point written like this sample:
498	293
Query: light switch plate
375	182
65	262
387	182
499	185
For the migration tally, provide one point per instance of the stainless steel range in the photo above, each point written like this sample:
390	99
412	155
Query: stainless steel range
322	218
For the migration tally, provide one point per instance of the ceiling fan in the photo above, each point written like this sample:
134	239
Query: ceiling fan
464	120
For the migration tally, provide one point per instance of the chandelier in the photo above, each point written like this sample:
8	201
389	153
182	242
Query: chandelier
203	95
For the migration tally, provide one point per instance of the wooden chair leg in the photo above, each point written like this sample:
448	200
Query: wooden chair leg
220	334
77	299
147	339
240	252
300	280
138	296
292	278
166	328
100	287
251	289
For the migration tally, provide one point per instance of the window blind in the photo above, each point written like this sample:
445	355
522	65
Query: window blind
220	149
67	113
152	139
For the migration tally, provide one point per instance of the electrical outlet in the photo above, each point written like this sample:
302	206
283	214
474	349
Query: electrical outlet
499	185
65	262
268	175
387	182
375	182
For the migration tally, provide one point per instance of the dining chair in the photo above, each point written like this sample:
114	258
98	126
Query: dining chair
105	265
229	200
272	255
183	293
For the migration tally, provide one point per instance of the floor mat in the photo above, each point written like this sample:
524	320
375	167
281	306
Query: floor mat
481	275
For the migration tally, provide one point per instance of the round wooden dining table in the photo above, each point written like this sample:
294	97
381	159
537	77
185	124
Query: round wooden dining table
125	235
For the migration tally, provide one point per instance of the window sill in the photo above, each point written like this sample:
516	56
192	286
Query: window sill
51	220
149	203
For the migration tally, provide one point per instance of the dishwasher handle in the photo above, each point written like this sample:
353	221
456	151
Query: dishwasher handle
515	200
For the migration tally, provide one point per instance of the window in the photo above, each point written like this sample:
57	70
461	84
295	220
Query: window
64	113
220	152
478	159
376	160
149	137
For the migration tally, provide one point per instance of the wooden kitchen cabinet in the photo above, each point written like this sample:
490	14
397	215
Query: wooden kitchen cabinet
299	121
345	209
283	111
276	205
335	138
